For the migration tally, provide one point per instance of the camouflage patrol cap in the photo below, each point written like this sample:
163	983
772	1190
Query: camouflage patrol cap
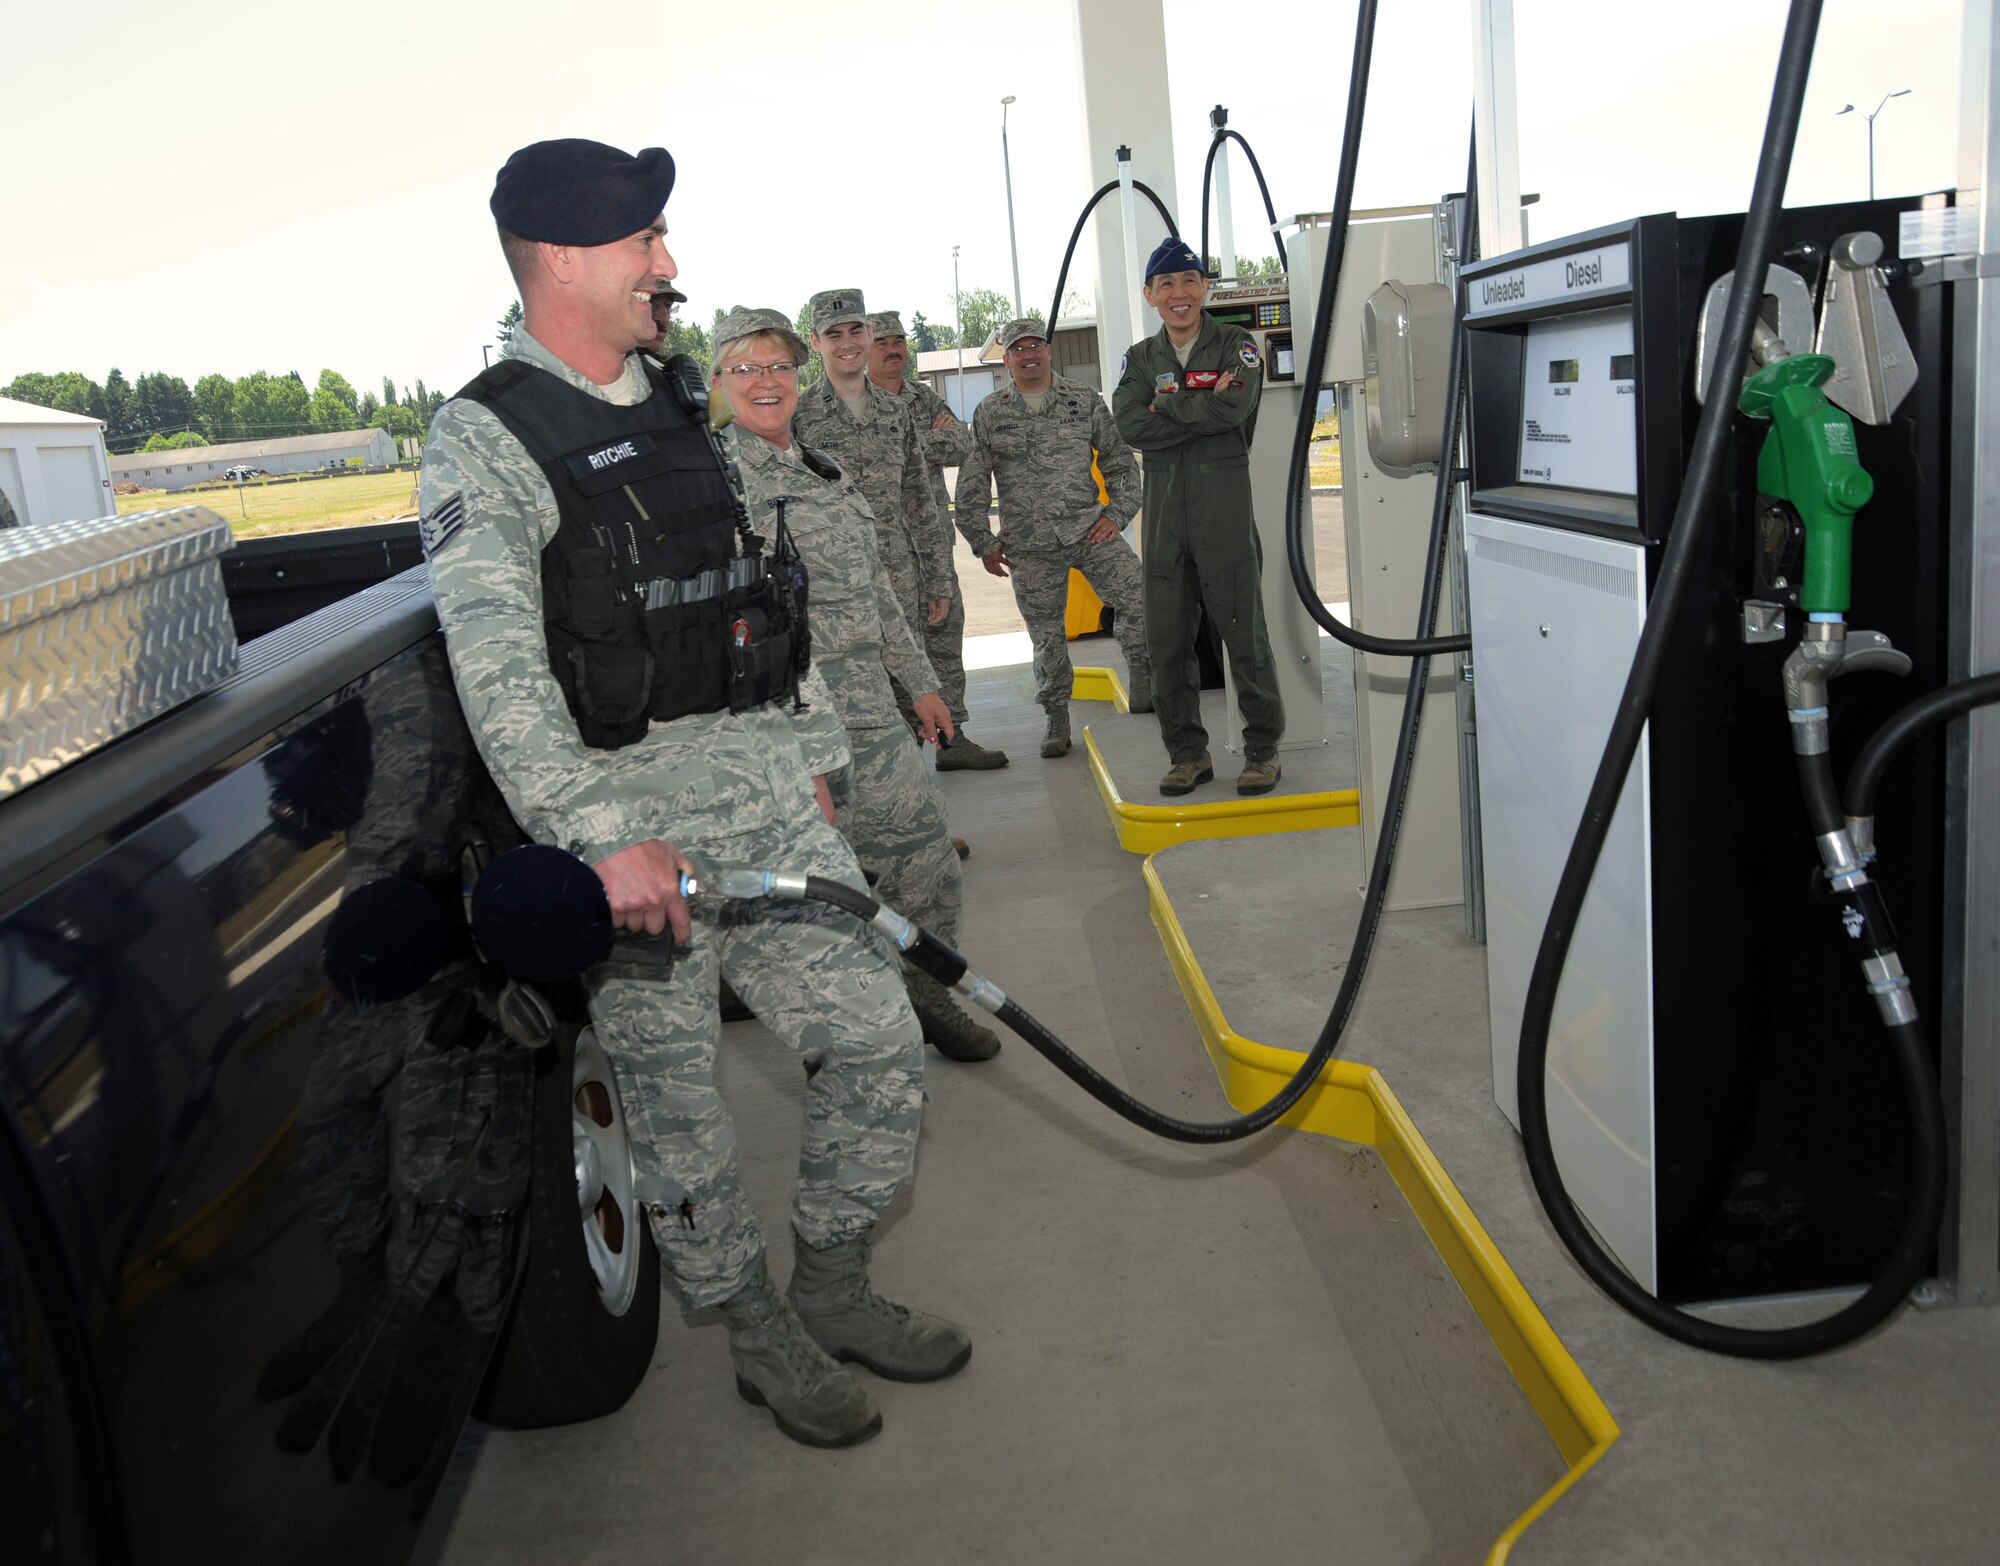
836	307
887	323
743	322
1023	326
669	295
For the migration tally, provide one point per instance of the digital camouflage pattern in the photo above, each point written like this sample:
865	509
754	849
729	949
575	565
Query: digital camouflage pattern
860	636
889	809
883	453
942	448
734	788
1199	536
820	981
1048	504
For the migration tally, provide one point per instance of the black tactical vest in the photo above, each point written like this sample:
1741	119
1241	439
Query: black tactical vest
658	599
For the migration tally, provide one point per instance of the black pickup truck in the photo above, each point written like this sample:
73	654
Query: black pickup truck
276	1218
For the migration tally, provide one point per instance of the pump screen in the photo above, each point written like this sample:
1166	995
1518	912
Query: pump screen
1578	425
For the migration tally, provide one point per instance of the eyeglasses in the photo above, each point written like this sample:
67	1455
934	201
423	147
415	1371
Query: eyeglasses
784	369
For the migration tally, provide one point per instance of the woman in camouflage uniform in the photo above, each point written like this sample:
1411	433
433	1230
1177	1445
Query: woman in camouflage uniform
889	810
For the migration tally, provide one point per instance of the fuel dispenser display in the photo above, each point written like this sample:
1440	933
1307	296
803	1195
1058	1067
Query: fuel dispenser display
1720	1098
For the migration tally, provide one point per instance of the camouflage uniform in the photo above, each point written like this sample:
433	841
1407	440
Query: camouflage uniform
943	448
735	788
889	808
884	454
1048	504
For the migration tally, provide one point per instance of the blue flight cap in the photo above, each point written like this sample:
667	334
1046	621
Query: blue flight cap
575	192
1173	255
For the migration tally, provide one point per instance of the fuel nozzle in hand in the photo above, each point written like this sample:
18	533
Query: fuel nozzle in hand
542	914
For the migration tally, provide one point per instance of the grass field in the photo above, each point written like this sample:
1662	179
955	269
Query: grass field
258	508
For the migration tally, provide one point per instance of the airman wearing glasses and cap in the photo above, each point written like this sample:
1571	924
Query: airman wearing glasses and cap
664	300
1039	439
1188	400
887	802
586	550
875	439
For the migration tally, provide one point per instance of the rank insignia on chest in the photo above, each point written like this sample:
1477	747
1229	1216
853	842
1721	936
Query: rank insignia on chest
442	523
1203	380
1247	352
1166	381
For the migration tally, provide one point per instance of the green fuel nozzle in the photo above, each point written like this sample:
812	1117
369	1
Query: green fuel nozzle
1809	462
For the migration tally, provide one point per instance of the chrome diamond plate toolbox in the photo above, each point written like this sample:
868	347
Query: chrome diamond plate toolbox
103	626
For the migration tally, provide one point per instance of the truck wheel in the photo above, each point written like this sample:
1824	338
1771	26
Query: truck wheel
582	1330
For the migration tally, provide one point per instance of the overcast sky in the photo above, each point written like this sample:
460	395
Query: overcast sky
242	186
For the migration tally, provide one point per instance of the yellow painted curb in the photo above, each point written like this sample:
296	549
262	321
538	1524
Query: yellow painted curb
1095	684
1146	829
1354	1103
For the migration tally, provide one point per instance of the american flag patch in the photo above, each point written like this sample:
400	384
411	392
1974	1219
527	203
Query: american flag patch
443	522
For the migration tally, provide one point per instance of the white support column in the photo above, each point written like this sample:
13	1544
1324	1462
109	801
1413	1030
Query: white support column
1969	1031
1121	50
1496	127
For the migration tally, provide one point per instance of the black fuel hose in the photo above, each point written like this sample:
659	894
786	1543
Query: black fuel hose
1692	516
948	967
1083	217
1296	485
1864	778
1224	133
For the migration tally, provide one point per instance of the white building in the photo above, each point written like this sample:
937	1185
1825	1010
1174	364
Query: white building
369	448
52	465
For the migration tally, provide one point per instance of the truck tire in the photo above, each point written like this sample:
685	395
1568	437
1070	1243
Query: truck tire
581	1334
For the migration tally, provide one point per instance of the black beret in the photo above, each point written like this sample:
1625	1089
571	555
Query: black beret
575	192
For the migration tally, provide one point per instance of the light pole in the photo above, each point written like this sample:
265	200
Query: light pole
486	354
1007	163
1900	92
958	330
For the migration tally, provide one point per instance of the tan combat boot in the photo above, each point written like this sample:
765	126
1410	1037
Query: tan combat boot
848	1319
779	1366
1259	777
1184	777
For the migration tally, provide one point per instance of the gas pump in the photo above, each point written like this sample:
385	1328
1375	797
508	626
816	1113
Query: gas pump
1719	1096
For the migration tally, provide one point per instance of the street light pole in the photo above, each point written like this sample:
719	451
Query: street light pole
1007	163
958	330
486	354
1900	92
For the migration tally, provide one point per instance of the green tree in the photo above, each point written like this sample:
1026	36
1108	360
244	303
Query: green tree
215	406
261	414
117	407
176	442
365	413
923	336
399	421
164	403
65	391
690	340
814	368
503	329
389	392
980	311
334	406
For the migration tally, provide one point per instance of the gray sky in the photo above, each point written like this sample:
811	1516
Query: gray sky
246	186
